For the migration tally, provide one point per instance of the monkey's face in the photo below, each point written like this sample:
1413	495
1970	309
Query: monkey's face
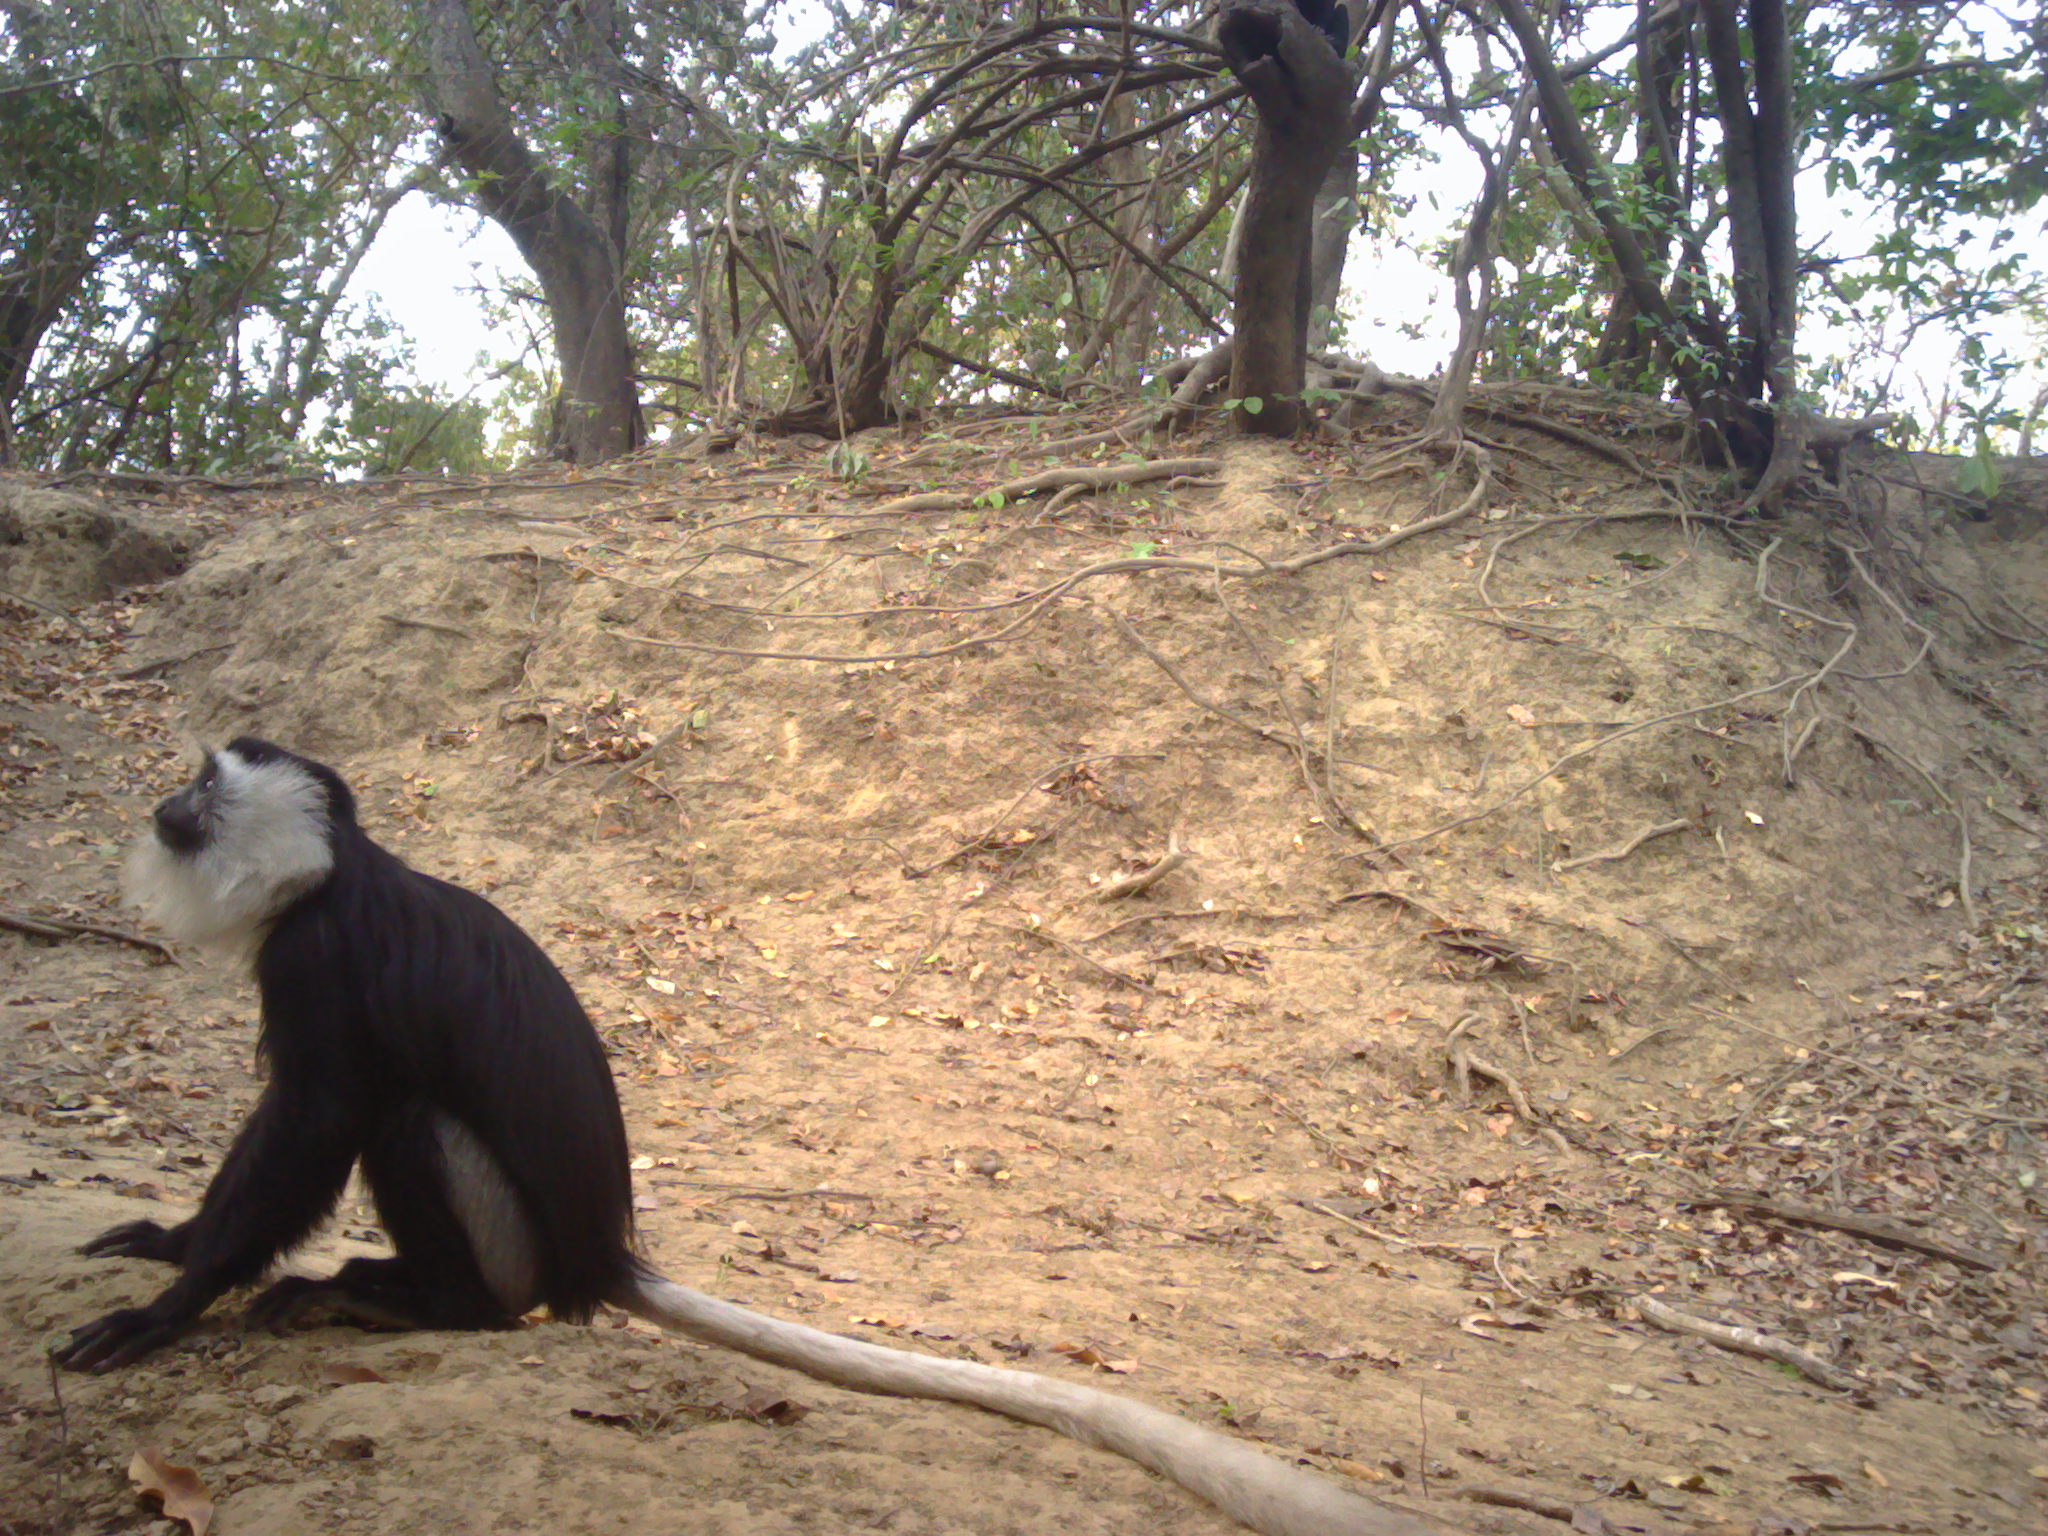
183	820
231	850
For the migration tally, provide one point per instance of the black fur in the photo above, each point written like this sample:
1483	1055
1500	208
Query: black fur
391	998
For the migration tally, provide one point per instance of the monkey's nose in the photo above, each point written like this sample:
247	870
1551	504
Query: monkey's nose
177	825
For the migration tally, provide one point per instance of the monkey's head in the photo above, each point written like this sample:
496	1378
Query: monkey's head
251	833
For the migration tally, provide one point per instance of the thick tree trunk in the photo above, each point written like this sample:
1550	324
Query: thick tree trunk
1303	95
597	413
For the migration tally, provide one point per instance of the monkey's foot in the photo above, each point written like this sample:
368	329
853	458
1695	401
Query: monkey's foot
296	1298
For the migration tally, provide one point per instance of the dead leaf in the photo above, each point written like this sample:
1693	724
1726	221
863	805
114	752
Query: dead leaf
1490	1325
177	1489
1826	1484
1356	1469
1088	1354
345	1375
765	1406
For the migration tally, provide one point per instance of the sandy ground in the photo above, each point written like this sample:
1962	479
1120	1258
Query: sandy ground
1357	1134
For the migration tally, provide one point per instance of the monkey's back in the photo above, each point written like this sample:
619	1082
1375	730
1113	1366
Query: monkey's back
400	990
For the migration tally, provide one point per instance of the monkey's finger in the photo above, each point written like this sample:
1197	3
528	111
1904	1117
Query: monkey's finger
130	1240
118	1339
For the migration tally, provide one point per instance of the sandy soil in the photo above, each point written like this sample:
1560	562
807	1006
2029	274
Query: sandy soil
1358	1133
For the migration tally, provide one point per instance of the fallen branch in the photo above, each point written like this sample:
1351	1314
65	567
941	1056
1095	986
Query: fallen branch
1747	1340
1879	1229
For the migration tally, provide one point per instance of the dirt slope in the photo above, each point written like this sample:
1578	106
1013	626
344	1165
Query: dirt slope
1356	1131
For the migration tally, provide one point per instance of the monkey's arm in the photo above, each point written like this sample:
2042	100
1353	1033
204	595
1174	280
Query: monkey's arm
281	1177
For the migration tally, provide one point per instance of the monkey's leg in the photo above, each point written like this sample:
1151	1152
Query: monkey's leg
422	1181
283	1174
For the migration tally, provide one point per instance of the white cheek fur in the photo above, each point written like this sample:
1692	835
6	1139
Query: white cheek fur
266	845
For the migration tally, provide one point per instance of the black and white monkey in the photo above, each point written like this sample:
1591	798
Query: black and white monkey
411	1026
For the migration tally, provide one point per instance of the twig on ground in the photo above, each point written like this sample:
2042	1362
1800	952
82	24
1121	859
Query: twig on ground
1055	942
1790	749
40	606
1042	597
1323	794
1389	1239
1560	764
1966	851
1465	1062
1181	916
1145	879
1174	675
1507	1498
1622	850
1038	780
68	928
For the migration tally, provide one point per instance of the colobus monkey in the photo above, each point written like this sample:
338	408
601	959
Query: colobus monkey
410	1025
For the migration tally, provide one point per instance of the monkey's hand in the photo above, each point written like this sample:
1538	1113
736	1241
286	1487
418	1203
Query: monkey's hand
118	1339
139	1240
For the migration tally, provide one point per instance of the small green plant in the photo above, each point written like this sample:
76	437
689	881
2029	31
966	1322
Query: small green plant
847	463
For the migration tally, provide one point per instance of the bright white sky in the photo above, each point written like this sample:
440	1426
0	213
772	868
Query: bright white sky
423	270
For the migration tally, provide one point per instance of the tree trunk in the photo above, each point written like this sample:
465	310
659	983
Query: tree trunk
1472	272
1700	352
1758	161
1335	217
1627	355
596	413
1303	95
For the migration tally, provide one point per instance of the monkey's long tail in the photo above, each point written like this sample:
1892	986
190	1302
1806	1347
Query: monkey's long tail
1251	1487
